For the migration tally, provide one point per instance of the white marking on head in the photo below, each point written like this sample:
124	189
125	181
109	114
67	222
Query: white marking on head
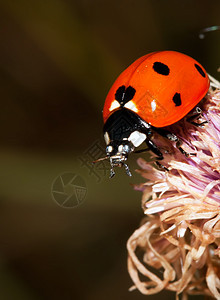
120	148
106	138
137	138
131	105
153	105
115	104
109	148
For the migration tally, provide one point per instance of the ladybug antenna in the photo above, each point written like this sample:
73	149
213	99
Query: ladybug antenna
100	159
112	172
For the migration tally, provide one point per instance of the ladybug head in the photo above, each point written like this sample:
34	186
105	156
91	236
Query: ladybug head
118	153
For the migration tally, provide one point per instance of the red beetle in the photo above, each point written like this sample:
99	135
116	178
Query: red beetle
155	91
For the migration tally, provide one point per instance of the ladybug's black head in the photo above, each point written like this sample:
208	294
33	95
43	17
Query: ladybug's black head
124	130
118	153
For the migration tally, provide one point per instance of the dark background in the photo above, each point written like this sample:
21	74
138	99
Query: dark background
58	59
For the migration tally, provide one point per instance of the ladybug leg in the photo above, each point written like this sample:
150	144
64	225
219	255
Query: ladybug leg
128	172
172	137
192	118
153	147
187	154
161	166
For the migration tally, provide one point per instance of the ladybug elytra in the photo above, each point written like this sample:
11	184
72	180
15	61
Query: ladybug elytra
155	91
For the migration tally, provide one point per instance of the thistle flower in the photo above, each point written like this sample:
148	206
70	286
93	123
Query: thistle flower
178	243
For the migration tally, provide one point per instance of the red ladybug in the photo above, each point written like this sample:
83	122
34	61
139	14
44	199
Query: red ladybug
155	91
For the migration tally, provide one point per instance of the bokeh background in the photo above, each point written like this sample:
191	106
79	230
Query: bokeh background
58	58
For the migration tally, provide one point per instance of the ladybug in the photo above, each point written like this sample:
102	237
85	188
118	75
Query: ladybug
155	91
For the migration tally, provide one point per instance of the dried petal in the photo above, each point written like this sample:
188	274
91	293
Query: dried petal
180	238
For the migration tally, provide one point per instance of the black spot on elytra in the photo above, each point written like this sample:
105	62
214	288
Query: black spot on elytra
129	93
161	68
119	95
123	95
177	99
200	70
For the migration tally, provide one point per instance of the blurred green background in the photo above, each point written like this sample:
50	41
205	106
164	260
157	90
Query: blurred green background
58	60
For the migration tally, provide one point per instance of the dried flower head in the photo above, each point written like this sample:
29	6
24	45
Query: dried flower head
179	240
